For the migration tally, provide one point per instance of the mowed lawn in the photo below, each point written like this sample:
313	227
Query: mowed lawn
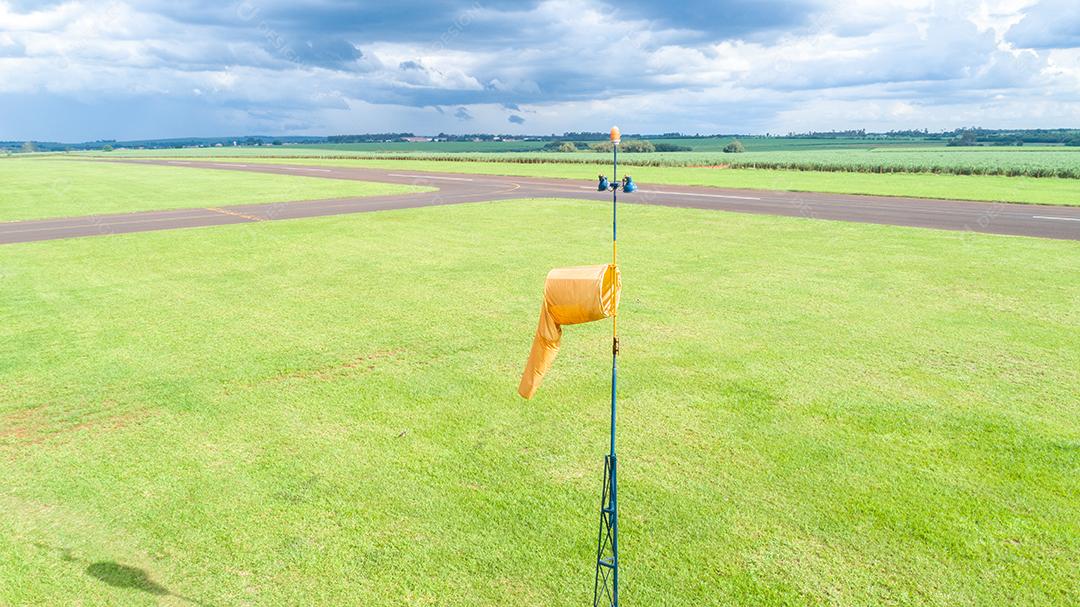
993	188
35	188
323	411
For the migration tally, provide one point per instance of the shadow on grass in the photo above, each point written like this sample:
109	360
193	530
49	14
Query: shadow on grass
123	576
120	576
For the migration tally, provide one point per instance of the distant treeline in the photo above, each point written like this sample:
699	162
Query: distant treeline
411	137
367	138
972	136
963	136
184	142
977	136
628	145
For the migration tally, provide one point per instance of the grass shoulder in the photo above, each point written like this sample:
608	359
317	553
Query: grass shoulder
992	188
43	187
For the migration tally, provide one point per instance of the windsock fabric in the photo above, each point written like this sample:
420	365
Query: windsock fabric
571	296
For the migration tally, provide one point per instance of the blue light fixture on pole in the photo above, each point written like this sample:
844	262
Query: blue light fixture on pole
606	581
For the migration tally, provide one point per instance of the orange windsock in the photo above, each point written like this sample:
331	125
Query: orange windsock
571	296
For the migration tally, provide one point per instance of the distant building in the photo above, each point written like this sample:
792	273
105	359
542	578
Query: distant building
416	139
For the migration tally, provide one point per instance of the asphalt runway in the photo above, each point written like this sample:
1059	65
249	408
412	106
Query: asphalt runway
1043	221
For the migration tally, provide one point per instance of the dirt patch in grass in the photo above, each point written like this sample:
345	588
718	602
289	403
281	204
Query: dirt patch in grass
362	364
42	423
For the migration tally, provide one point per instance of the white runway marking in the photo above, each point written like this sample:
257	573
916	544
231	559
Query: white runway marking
429	177
1058	218
581	187
705	195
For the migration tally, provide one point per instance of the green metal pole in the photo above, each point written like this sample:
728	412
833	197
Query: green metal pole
609	502
614	380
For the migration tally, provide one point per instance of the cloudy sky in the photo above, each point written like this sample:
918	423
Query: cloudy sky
116	69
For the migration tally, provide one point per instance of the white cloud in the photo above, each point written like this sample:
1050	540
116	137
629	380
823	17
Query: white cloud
878	63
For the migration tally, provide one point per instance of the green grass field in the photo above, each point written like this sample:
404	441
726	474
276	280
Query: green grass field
1061	162
791	144
425	146
703	144
39	187
1033	161
323	411
919	185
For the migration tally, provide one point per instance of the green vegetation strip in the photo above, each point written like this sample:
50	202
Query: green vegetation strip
324	411
35	188
1059	162
955	187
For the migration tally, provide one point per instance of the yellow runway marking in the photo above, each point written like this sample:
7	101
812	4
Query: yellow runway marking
233	213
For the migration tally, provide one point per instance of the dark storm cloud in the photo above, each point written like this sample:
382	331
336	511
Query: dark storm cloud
1048	24
480	24
326	52
725	18
398	21
277	65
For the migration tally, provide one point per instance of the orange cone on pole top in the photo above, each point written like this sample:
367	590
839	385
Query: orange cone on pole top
615	134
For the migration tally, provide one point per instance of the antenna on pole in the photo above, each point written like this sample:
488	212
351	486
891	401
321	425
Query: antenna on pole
606	581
